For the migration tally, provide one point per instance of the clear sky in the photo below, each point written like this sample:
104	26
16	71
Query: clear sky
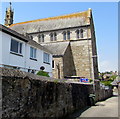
105	16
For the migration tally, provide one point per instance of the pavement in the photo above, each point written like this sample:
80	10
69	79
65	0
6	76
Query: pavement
107	108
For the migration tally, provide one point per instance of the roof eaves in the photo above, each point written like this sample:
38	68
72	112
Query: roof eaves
13	33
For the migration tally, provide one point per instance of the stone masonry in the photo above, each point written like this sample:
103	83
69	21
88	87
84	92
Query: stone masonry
26	95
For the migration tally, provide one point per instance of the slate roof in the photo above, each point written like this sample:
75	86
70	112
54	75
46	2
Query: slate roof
22	37
52	23
36	45
57	48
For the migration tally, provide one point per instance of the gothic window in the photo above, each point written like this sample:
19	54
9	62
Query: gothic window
68	35
55	36
64	35
51	37
81	33
77	34
41	38
53	64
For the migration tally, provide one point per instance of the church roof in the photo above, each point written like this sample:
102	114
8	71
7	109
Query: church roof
52	23
57	48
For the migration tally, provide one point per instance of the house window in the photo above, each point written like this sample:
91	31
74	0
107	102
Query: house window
32	53
46	58
68	35
77	34
16	46
81	33
41	38
64	35
53	64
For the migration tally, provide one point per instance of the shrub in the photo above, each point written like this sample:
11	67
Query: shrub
43	73
107	83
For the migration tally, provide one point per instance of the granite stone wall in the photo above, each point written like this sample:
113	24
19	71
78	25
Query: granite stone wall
27	95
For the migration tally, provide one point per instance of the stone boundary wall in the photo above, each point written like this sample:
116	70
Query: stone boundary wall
29	96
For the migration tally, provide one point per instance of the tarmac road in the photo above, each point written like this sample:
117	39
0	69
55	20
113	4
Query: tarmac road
107	108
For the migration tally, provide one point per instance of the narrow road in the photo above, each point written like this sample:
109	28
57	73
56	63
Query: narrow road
107	108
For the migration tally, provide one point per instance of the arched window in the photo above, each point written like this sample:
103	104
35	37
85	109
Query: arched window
81	33
55	36
68	35
41	38
64	35
51	36
77	34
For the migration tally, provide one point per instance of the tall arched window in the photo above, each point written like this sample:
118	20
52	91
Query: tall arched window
51	36
81	33
41	38
64	35
55	36
77	34
68	35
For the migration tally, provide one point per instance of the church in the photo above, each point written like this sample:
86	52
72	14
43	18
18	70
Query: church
70	38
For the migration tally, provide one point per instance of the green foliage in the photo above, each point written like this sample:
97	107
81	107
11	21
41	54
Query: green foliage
90	80
55	81
113	77
107	83
43	73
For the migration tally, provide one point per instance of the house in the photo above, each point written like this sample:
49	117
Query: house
20	52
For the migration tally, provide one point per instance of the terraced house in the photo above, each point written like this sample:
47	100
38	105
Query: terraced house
71	39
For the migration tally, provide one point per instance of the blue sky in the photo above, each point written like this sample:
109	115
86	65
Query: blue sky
105	16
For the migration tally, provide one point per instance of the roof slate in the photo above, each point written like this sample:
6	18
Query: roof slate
52	23
57	48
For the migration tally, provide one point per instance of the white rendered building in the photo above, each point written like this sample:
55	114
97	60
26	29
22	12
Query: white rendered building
20	52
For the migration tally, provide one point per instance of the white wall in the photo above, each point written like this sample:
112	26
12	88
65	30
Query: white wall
23	61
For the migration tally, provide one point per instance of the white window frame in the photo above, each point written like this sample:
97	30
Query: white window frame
19	47
34	53
46	58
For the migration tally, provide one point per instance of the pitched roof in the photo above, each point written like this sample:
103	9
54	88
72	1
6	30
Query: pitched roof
52	23
57	48
36	45
22	37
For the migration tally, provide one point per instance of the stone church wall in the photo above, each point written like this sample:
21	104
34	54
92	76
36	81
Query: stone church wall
58	67
82	56
59	33
27	96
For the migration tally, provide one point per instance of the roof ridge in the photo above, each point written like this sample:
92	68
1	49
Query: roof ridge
84	13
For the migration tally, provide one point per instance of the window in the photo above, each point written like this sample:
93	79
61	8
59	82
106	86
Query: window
41	38
32	53
81	33
53	64
64	35
55	36
77	34
51	37
16	47
68	35
46	58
